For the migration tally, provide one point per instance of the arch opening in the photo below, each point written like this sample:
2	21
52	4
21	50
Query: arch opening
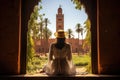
45	49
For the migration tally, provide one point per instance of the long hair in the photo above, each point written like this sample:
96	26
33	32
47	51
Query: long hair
60	43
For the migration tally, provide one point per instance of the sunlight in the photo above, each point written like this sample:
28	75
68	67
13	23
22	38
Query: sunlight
44	22
72	16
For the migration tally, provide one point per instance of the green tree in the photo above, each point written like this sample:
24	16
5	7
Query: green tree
88	33
33	30
70	33
46	29
30	47
46	35
41	28
33	24
79	30
78	4
48	32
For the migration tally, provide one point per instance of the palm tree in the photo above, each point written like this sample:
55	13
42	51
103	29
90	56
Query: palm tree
46	23
70	33
87	29
46	33
49	33
88	35
79	30
41	29
82	35
41	24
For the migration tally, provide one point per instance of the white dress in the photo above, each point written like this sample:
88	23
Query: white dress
60	61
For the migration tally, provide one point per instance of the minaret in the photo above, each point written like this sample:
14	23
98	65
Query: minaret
59	19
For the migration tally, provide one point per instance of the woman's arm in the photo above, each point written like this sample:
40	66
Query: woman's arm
69	53
50	56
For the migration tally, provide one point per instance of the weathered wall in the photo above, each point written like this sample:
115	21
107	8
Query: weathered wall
27	9
12	20
9	36
109	30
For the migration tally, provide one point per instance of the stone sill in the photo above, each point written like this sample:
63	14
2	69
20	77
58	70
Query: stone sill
45	77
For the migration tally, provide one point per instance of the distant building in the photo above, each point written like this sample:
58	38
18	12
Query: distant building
59	19
41	48
76	45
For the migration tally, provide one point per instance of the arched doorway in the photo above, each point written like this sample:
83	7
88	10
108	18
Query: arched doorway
91	8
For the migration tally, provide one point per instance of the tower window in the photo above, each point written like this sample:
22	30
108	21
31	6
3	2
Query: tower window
59	26
59	19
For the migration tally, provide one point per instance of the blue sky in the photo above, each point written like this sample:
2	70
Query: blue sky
72	16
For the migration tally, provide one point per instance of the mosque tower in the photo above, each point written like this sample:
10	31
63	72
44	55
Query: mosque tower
59	19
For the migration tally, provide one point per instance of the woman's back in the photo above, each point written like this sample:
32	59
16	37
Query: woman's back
60	57
61	53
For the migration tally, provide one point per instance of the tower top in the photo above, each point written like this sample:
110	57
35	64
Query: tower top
59	19
60	6
59	10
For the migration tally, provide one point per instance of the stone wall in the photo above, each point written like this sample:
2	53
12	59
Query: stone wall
109	36
9	36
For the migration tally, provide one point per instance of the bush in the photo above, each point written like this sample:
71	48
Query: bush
37	63
82	61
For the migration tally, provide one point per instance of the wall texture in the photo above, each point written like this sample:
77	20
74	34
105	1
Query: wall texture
9	36
109	30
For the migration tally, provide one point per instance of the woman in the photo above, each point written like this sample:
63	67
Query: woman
60	57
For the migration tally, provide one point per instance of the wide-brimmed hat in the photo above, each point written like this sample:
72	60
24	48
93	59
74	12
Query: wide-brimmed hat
60	34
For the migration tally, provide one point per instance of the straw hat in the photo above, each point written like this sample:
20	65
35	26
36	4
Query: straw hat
60	34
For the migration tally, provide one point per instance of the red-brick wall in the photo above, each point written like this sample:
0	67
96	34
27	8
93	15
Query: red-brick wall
39	44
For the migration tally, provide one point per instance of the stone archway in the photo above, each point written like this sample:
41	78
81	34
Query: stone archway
91	9
27	8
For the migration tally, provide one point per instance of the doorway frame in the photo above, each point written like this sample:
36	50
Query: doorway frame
26	9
